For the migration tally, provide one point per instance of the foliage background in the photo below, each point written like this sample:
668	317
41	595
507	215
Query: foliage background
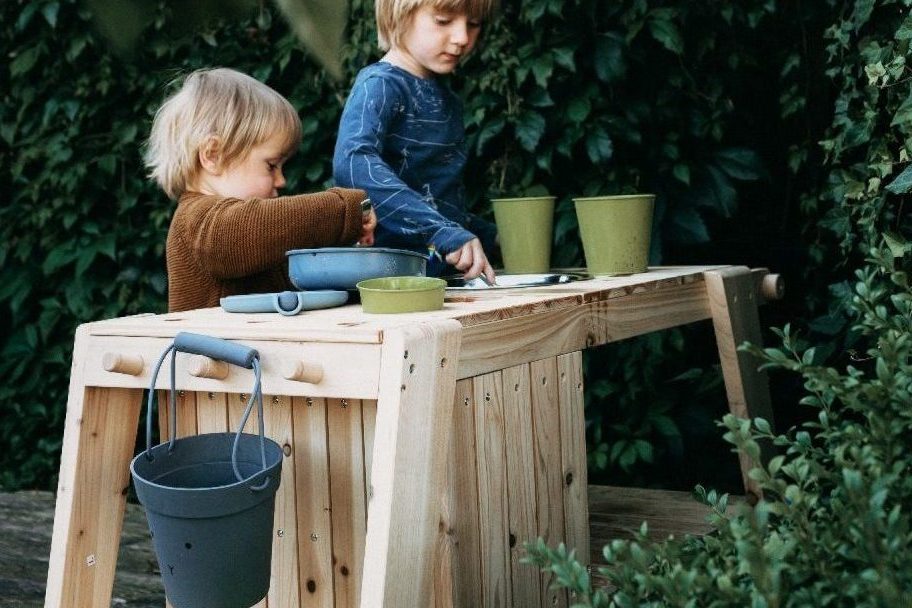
715	108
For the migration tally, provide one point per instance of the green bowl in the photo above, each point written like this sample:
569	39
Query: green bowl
401	294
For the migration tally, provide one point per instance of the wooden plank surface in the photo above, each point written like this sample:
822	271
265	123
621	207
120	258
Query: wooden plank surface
546	420
346	482
520	459
311	464
414	410
732	298
493	514
349	370
98	447
458	579
349	324
283	588
573	453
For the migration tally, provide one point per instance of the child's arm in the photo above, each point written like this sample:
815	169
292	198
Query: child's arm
232	238
358	163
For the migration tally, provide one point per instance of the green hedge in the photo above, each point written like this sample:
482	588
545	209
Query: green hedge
578	98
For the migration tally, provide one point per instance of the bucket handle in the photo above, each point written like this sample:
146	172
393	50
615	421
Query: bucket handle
223	350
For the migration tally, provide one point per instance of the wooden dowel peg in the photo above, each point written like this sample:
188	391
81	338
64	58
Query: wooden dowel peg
772	287
302	371
120	363
202	366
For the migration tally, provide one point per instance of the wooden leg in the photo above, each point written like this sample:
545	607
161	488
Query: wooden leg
408	472
733	303
98	442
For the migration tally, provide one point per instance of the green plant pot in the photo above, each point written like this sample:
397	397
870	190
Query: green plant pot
401	294
525	229
615	231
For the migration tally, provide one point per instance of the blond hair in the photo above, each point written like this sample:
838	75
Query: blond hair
239	111
394	16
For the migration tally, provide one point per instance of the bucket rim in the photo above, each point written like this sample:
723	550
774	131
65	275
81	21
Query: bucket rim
271	445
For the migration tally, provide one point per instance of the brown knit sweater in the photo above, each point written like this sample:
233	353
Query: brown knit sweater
225	246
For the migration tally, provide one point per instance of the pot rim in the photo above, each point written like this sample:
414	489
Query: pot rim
360	250
613	197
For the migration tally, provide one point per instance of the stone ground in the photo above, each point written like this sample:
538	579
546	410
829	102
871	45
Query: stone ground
27	521
26	524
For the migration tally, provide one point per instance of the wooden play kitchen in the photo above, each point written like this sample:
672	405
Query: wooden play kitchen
421	450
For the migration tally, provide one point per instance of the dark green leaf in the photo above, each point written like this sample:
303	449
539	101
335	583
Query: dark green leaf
599	146
50	11
609	57
530	126
739	163
902	183
24	61
667	34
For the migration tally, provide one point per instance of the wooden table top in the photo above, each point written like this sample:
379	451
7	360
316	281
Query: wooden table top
350	324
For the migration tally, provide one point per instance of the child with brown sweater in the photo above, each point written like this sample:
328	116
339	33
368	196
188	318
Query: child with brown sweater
217	146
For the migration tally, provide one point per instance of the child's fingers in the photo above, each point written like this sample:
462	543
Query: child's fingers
455	258
479	260
488	272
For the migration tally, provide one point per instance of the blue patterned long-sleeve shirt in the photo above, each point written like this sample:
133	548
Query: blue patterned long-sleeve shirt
401	139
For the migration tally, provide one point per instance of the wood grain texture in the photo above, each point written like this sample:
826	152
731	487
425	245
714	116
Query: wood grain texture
493	509
573	453
313	506
458	580
546	421
414	410
733	299
521	493
346	488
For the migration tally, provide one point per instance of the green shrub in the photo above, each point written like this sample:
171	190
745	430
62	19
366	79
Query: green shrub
584	96
834	527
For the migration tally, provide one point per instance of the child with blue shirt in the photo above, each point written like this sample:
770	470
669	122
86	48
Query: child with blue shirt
401	136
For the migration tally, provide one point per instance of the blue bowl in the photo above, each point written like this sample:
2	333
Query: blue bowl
343	267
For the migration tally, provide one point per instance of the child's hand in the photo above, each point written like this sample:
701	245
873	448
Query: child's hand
368	225
472	261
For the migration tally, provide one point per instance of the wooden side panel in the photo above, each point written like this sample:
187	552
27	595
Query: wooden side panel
237	403
573	454
548	477
186	414
490	445
283	590
458	573
311	467
346	479
521	482
211	413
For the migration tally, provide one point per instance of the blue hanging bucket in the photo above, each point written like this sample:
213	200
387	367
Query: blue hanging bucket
210	499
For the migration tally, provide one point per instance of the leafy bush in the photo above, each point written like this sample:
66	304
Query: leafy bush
582	97
834	526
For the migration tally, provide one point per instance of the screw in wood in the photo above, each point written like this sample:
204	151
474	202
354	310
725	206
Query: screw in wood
314	537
